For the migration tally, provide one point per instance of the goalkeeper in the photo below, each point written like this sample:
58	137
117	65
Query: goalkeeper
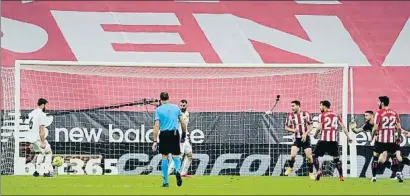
37	135
186	147
368	126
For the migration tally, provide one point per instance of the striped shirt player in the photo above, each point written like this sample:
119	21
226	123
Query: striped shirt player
386	121
300	123
329	122
328	142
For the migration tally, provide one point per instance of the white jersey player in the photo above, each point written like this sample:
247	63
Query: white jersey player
37	134
186	147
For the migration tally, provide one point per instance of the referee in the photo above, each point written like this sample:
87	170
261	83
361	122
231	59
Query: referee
166	124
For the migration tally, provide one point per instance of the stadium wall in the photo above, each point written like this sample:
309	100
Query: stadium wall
257	145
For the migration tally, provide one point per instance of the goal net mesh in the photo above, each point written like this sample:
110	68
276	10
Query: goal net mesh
103	116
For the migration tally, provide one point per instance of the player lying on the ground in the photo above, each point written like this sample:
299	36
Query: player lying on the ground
166	125
186	147
387	122
300	123
328	142
37	137
368	127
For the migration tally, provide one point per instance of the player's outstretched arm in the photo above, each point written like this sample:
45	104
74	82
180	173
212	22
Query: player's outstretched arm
354	128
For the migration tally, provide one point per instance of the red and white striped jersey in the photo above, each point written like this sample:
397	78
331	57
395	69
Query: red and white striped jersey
386	121
330	122
300	121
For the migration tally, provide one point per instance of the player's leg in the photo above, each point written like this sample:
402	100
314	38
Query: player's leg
171	166
188	159
396	165
334	152
378	153
163	149
309	159
318	152
39	158
48	154
175	148
293	151
375	165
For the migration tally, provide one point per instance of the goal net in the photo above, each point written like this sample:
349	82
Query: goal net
103	115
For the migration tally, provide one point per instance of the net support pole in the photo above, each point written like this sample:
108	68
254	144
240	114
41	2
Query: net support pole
353	150
17	114
343	138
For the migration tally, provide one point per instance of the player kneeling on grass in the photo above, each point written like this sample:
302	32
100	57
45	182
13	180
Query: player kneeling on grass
186	147
38	122
166	122
387	122
328	142
300	123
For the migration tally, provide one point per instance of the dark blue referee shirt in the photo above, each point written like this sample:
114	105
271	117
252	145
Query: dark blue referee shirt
168	116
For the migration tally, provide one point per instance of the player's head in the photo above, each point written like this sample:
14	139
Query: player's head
295	106
368	115
42	103
383	102
324	105
164	97
183	105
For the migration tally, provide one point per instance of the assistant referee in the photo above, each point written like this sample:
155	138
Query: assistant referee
166	124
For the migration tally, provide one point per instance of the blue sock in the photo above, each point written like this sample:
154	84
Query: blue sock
177	163
164	167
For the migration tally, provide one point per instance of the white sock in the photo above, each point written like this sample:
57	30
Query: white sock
186	165
171	166
47	162
39	160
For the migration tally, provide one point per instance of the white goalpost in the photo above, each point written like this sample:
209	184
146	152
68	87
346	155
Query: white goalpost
103	115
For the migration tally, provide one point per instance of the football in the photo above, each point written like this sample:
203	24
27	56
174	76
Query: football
58	161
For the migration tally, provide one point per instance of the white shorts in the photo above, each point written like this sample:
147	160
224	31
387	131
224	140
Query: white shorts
38	149
186	147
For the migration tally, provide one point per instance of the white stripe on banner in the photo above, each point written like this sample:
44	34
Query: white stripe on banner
198	1
323	2
27	1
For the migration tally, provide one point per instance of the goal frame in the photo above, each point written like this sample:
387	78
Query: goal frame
19	64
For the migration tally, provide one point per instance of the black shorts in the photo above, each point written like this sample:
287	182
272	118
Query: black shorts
169	142
325	147
298	143
391	148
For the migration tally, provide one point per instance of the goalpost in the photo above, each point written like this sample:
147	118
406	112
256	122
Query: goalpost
103	114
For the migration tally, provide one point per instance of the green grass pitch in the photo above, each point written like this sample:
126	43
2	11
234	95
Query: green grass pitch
197	185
